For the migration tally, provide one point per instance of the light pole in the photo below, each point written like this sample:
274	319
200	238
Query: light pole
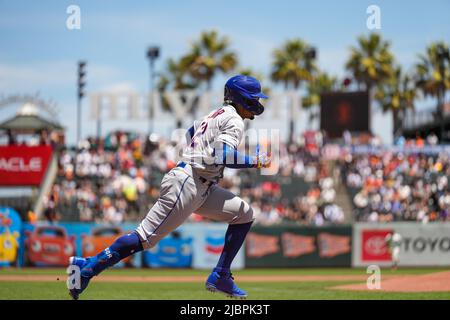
152	55
443	55
81	84
99	121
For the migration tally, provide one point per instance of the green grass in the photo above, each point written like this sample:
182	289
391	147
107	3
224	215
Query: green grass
255	271
56	290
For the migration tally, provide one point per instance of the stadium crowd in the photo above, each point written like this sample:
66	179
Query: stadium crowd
398	186
103	182
117	179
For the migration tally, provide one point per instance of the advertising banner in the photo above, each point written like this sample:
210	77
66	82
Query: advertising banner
420	245
298	246
192	245
174	251
23	165
47	244
207	244
10	236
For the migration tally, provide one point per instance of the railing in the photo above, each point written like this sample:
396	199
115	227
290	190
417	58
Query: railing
418	118
46	185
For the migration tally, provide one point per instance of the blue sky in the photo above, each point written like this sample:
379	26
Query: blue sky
38	52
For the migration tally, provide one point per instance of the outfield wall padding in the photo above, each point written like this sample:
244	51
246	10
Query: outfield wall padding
299	246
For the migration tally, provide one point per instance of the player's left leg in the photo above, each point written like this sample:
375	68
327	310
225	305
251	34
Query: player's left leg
121	248
223	205
178	198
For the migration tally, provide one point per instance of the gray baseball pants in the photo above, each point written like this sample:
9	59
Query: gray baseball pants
183	192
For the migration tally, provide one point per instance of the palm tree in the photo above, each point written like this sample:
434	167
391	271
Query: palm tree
293	64
433	75
397	94
209	55
175	78
371	61
322	83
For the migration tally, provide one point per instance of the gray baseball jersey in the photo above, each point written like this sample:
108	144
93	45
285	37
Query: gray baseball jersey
192	186
223	125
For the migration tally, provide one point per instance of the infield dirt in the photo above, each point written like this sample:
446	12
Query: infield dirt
433	282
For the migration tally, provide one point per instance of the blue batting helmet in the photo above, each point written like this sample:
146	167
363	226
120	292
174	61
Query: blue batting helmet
245	91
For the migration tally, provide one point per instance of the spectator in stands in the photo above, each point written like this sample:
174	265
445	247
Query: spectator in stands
50	209
432	139
11	138
110	213
267	215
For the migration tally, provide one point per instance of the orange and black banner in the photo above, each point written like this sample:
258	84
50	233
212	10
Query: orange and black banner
298	246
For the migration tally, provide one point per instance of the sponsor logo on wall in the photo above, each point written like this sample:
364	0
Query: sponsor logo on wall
214	243
261	245
331	245
23	165
374	247
420	244
295	245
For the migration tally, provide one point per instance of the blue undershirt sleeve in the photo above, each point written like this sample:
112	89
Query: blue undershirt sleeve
231	158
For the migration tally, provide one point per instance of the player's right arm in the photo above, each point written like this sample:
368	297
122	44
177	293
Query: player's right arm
232	158
225	148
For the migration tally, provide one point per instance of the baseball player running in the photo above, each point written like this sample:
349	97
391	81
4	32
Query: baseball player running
192	186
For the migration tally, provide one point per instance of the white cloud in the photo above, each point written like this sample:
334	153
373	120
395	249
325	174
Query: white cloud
51	76
99	74
32	77
123	86
253	52
332	60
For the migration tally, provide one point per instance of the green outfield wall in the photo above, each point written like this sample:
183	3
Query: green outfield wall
291	245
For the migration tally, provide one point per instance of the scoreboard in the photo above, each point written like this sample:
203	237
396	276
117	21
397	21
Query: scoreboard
340	111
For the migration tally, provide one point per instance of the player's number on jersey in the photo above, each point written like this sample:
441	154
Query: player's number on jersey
201	130
204	125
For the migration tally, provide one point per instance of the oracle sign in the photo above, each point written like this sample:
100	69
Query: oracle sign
23	165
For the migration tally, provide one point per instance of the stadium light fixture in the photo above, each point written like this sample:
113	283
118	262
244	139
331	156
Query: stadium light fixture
152	54
81	94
